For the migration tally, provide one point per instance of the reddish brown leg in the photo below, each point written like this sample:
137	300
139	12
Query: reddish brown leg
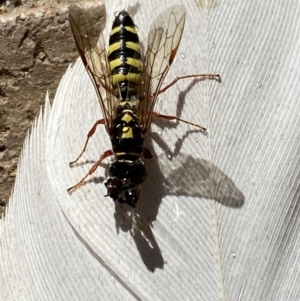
94	167
89	135
200	76
168	117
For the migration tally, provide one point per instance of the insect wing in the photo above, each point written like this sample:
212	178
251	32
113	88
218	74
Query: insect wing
163	41
87	28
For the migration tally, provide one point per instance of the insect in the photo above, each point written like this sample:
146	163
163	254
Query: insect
128	85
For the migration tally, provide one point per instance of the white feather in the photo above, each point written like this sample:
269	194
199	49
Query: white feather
223	208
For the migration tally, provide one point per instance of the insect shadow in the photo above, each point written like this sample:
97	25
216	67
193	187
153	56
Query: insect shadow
184	175
172	173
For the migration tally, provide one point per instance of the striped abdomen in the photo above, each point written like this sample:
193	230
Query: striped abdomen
124	55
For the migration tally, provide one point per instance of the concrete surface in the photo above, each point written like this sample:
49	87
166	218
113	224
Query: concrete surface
36	46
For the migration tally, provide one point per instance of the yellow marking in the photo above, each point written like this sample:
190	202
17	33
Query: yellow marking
134	154
120	154
134	46
131	77
114	47
128	111
127	154
134	77
131	29
127	132
118	28
117	78
133	62
115	63
127	118
124	103
115	30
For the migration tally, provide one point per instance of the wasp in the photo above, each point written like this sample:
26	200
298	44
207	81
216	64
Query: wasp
128	84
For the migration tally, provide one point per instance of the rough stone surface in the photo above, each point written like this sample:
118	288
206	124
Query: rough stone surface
36	46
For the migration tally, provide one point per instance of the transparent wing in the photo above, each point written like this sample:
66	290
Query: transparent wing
87	25
163	41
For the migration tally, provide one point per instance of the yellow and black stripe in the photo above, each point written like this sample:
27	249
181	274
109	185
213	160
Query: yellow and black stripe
128	170
124	55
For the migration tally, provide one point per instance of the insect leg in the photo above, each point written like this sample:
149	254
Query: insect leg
89	135
94	167
168	117
200	76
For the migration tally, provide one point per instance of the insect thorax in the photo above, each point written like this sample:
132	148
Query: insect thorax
126	135
128	171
